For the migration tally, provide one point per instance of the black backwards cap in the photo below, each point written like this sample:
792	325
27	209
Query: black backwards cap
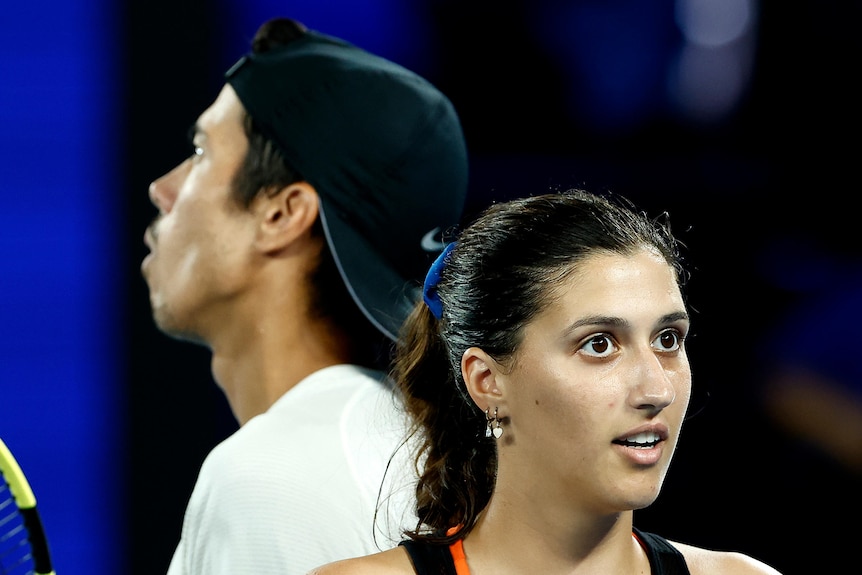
383	148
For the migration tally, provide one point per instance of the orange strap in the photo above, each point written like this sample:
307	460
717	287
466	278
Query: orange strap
457	550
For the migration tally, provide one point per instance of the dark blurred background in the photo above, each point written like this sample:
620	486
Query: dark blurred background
737	117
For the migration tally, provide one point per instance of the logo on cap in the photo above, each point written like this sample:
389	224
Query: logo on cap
430	244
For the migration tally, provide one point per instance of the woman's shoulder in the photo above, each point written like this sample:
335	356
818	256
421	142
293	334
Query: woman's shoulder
707	562
390	562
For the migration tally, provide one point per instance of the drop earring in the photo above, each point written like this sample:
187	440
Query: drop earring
492	427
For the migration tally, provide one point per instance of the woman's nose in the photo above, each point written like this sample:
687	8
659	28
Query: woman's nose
653	388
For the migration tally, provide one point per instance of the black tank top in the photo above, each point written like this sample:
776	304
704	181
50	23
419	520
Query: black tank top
664	558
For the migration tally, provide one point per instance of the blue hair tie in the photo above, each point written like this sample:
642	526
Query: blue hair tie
429	291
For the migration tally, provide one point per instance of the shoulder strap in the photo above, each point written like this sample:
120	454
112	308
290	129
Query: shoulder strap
664	558
429	559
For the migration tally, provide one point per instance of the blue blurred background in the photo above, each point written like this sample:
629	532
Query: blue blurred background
737	117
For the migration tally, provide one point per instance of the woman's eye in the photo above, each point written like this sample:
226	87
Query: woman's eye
668	340
599	346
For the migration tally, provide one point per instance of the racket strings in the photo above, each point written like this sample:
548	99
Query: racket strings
16	557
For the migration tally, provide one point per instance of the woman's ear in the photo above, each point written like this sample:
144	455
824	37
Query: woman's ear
285	214
480	372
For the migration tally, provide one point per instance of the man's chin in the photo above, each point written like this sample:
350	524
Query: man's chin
167	324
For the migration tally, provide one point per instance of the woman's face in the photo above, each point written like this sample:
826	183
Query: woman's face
596	393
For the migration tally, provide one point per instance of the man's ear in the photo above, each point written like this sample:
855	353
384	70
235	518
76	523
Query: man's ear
286	214
480	372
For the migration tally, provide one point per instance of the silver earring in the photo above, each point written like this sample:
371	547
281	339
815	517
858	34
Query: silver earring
493	424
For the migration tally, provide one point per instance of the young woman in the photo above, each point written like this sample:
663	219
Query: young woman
547	375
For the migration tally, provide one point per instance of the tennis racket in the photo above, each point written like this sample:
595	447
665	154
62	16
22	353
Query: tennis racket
23	547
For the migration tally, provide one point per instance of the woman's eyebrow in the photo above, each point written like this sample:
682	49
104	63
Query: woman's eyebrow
674	317
606	320
618	322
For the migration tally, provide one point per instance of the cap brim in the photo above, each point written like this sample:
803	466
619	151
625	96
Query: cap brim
384	296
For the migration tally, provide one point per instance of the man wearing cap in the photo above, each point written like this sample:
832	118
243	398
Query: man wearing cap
292	244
